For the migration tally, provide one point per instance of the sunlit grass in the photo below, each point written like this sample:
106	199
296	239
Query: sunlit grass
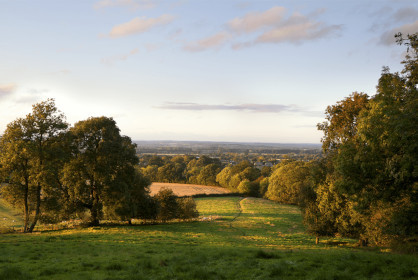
266	241
10	219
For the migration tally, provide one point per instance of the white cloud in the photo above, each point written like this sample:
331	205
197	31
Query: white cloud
139	25
7	89
130	4
251	107
210	42
256	20
296	29
270	26
111	60
388	38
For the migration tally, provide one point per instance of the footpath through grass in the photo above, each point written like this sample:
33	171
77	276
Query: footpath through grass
263	241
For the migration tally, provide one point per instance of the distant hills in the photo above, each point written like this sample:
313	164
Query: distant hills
208	147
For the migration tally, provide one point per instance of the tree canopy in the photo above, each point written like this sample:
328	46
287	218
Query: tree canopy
29	159
371	147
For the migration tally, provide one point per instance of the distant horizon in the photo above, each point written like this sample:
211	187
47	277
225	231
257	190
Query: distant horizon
232	142
183	143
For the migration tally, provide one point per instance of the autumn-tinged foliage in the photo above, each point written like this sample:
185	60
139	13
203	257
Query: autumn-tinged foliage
29	157
288	182
89	171
170	207
371	148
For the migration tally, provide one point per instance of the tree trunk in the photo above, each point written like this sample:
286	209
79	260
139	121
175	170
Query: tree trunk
38	188
363	242
38	208
95	211
317	240
26	206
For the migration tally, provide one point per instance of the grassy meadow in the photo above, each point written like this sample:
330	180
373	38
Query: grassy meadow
236	238
9	218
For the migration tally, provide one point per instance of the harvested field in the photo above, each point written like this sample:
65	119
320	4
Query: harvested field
188	189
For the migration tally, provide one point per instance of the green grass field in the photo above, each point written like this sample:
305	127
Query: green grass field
9	218
240	239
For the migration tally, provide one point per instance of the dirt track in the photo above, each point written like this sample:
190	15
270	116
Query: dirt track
187	189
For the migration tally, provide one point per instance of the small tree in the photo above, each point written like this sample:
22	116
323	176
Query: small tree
167	204
187	208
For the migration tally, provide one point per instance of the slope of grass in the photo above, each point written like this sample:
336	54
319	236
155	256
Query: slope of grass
9	217
245	239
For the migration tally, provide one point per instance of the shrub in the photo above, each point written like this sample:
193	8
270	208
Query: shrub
167	204
187	208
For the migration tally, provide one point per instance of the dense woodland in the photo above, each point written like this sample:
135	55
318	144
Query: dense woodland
363	186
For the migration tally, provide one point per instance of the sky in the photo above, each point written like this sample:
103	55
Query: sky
215	70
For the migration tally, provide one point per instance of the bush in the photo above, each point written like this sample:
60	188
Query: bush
167	204
187	208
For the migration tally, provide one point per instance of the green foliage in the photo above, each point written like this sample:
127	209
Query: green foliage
371	161
102	171
224	177
241	177
187	208
29	156
244	187
128	195
168	206
171	172
150	172
341	121
207	175
156	160
288	182
266	171
182	169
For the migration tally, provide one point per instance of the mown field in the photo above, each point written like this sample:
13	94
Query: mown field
239	239
187	189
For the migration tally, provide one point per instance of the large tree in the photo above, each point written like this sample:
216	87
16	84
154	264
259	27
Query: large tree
371	151
28	158
101	159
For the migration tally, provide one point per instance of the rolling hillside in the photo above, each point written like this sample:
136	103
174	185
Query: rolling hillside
236	238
